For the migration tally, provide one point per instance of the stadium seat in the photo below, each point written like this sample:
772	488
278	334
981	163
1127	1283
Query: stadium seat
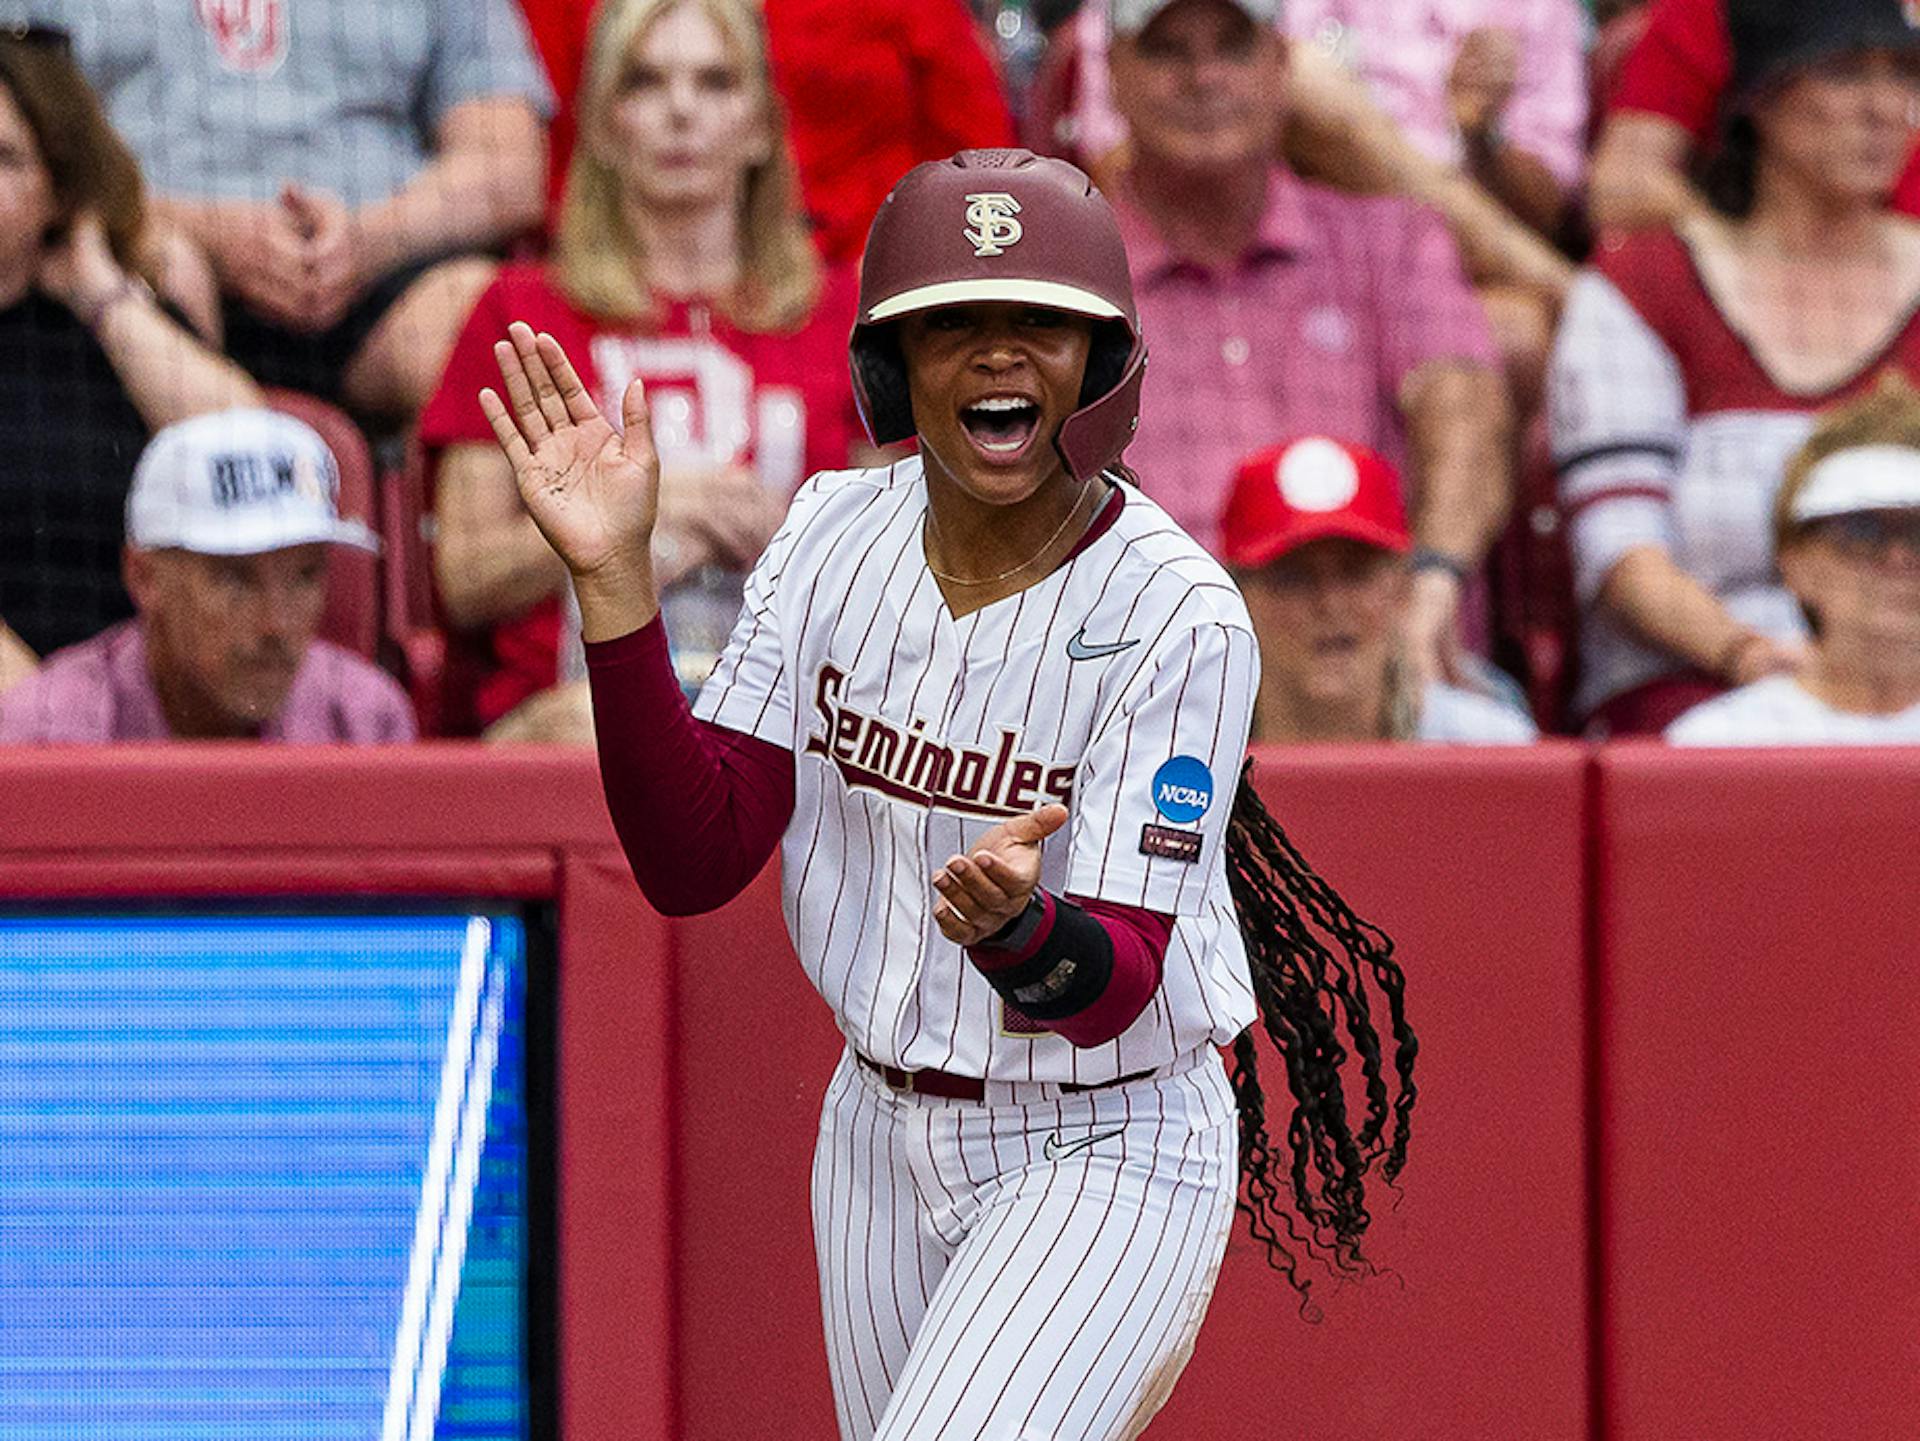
352	617
1536	618
412	633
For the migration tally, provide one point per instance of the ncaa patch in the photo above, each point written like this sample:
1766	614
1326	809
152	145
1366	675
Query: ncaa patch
1183	789
1166	844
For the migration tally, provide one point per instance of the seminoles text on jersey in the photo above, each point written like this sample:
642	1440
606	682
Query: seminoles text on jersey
909	765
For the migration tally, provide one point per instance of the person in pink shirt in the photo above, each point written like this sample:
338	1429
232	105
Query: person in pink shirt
1495	88
1276	307
228	522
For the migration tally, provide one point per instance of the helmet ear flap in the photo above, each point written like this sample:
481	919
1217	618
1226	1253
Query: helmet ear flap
1093	437
1107	359
880	384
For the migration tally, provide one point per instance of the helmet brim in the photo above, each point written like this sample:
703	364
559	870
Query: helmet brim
1051	294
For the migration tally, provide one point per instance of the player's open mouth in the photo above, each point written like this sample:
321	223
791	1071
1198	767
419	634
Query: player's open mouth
1001	426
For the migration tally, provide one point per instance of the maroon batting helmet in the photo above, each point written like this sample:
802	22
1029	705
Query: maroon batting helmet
1002	225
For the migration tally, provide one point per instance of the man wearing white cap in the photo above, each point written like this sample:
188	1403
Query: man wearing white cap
1847	536
228	522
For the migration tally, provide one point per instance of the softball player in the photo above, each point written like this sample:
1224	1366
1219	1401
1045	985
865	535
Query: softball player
992	705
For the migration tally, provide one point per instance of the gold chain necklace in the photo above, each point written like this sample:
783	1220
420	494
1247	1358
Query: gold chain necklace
1058	530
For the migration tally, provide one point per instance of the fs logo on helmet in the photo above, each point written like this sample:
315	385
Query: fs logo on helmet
992	227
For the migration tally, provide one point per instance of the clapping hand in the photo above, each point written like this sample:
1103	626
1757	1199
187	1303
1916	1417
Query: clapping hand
593	491
980	892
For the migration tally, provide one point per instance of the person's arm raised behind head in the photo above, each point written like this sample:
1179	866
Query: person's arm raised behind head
167	373
1638	178
1337	134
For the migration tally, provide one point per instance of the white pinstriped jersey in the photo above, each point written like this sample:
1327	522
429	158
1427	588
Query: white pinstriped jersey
1110	684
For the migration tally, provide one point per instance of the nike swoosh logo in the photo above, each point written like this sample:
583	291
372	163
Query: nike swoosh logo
1056	1149
1078	649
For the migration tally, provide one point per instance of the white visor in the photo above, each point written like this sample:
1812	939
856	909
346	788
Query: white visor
1869	477
1049	293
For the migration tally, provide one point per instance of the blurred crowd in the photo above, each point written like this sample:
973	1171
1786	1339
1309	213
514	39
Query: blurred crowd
1536	366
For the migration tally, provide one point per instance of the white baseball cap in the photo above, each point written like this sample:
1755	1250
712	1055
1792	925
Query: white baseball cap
238	482
1130	17
1867	477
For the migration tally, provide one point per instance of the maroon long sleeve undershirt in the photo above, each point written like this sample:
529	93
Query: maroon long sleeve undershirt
699	808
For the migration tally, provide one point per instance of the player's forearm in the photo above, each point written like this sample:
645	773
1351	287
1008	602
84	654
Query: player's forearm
1459	432
698	809
168	375
1122	947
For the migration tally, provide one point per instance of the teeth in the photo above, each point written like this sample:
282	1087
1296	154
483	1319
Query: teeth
1001	402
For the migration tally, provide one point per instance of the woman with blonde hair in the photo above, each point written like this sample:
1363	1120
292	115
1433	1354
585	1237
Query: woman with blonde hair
1846	534
680	258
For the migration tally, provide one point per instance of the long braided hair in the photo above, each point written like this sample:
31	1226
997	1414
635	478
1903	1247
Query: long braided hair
1311	959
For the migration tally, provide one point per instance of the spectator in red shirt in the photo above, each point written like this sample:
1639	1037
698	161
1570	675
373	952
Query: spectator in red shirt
1691	363
1276	307
681	258
874	87
1665	111
871	88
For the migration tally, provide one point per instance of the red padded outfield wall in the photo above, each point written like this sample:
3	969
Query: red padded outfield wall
1747	924
1758	934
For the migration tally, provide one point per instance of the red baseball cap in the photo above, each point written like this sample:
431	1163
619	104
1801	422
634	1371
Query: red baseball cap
1311	489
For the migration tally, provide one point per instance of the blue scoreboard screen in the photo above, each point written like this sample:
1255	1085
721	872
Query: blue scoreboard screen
265	1175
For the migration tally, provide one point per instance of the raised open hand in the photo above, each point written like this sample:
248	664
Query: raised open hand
986	888
593	491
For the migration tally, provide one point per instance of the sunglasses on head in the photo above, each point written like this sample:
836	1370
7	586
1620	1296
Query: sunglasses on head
1874	530
29	33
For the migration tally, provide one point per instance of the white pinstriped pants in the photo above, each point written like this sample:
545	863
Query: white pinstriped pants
976	1290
